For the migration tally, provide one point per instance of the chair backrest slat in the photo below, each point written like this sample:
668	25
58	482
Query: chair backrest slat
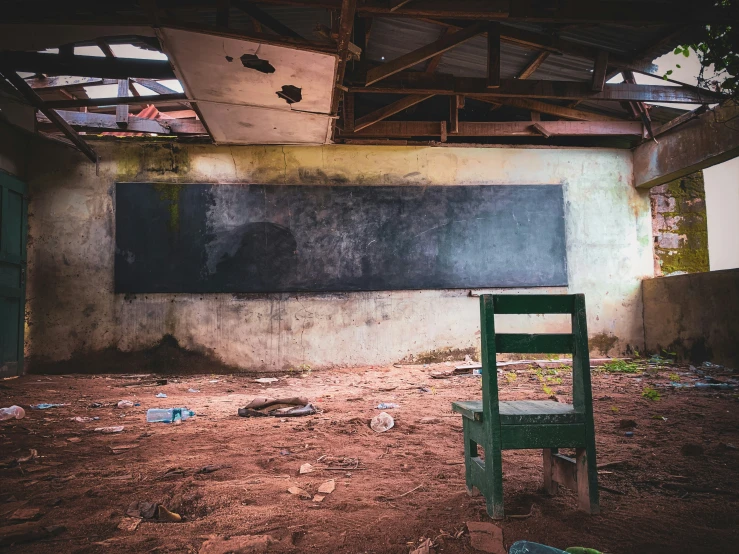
533	303
509	343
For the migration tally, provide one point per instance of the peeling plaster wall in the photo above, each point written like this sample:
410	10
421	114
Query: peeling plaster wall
73	310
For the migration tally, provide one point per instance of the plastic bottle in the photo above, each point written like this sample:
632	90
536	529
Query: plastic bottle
13	412
168	415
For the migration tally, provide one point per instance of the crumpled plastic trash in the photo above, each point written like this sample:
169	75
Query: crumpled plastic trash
161	395
47	406
108	430
125	404
152	510
281	407
193	390
14	412
386	406
382	422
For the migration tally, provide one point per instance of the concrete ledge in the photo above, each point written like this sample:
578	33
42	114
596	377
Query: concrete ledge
694	315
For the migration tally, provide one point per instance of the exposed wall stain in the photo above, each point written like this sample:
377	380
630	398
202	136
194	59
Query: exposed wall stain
170	192
446	354
167	356
602	342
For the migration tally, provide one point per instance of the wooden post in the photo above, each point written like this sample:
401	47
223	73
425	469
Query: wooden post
493	80
121	110
453	115
599	71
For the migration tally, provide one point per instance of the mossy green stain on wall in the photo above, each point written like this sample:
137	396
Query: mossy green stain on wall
688	220
170	193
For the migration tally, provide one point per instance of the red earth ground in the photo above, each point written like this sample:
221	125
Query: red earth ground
664	496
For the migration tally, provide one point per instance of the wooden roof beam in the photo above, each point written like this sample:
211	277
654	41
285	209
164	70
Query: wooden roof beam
86	66
175	98
29	94
421	83
107	122
387	111
346	24
533	65
400	129
410	59
544	107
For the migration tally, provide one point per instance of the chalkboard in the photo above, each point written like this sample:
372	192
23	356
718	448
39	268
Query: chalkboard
282	238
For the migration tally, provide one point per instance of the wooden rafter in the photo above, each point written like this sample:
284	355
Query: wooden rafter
264	19
544	107
387	111
86	66
599	71
401	129
534	64
346	24
424	53
121	110
436	60
174	98
103	122
19	83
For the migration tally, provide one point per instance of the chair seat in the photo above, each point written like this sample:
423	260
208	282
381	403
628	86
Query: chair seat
522	412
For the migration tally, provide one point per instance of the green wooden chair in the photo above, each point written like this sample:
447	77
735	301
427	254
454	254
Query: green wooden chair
525	424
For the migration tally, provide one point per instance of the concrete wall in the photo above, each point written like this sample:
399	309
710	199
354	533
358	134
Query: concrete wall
73	310
722	204
695	316
14	145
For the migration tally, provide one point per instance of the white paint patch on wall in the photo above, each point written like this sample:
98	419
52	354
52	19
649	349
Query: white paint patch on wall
73	308
722	209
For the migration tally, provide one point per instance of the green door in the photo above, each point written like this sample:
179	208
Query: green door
13	227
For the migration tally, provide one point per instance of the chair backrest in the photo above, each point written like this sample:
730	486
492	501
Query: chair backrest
574	343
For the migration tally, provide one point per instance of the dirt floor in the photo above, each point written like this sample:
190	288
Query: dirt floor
675	490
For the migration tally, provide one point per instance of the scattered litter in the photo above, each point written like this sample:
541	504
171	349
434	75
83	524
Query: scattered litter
526	547
328	487
26	514
32	455
285	452
129	523
168	415
266	380
13	412
84	419
281	407
486	537
298	491
306	468
424	389
414	489
382	422
441	374
466	366
161	395
211	468
193	390
152	510
109	430
386	406
74	439
118	448
477	372
96	405
150	383
47	406
424	548
429	420
629	434
125	404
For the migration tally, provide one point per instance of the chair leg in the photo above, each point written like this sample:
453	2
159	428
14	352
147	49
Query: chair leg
587	480
494	478
470	451
550	485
